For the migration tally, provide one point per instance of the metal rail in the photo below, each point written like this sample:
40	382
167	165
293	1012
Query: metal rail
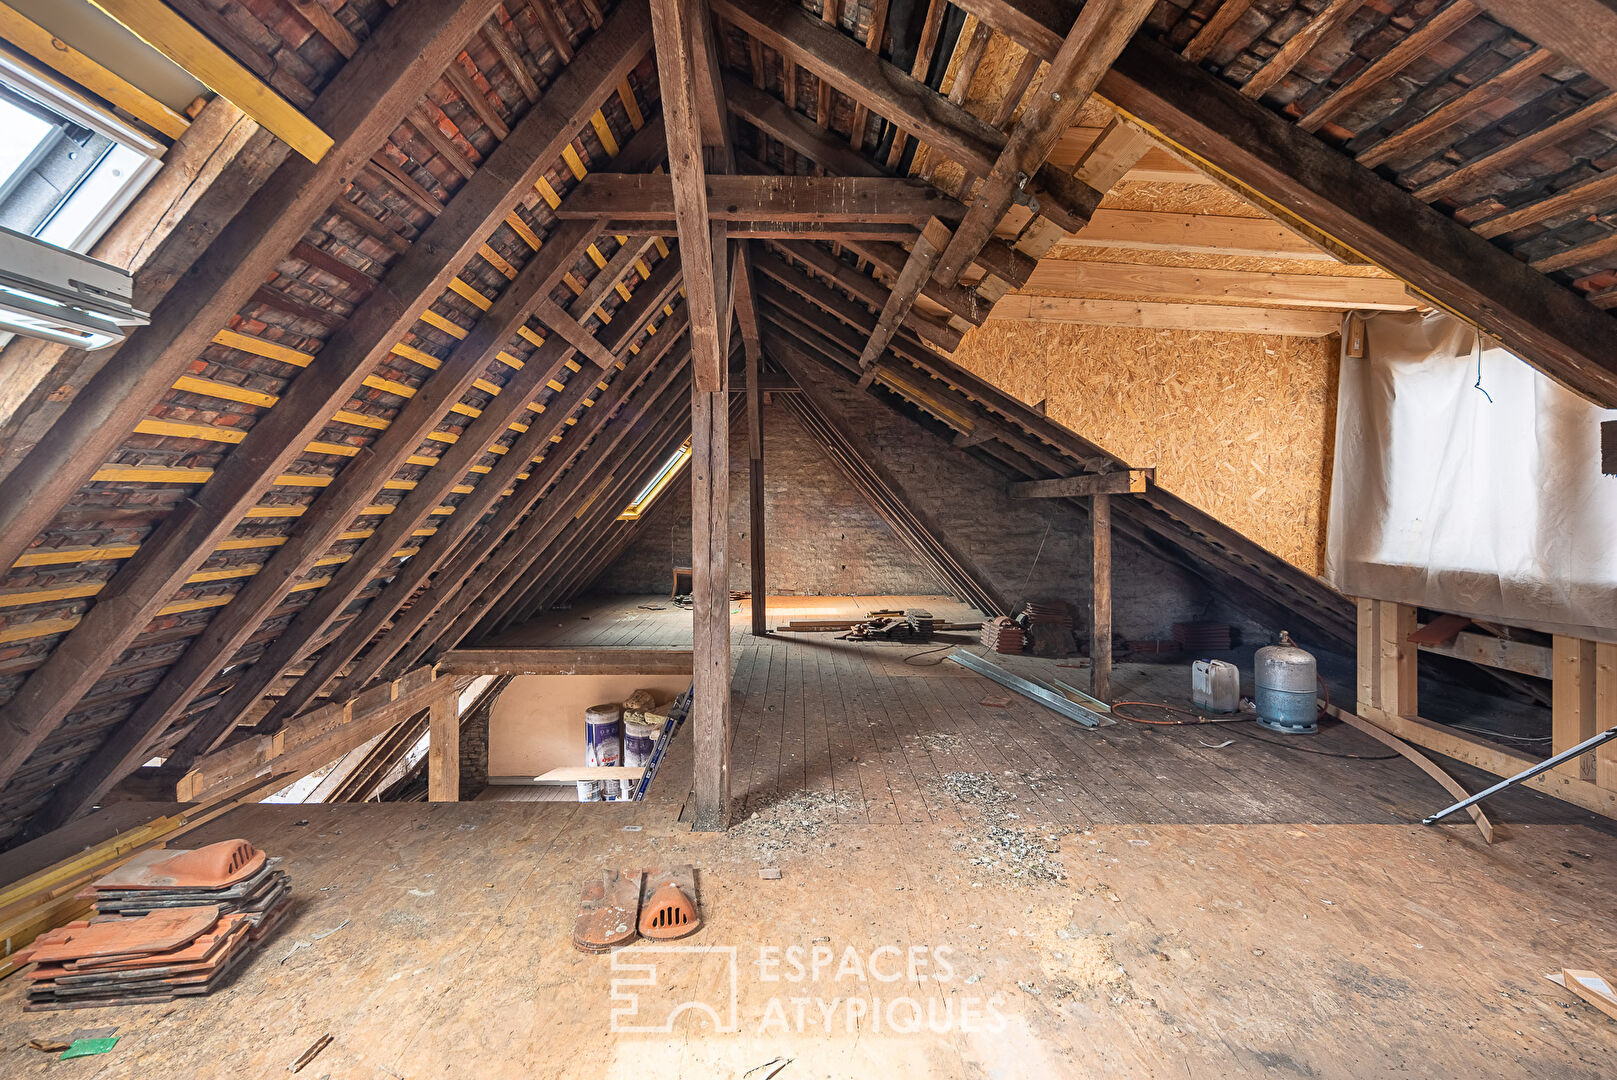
1043	693
1527	774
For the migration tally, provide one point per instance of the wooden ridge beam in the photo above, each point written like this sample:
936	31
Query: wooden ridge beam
1122	482
1544	323
1099	33
439	546
360	107
624	197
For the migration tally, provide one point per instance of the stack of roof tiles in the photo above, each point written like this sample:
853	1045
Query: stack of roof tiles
1049	628
168	924
1002	635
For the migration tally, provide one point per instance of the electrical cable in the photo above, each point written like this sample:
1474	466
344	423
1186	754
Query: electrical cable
1119	710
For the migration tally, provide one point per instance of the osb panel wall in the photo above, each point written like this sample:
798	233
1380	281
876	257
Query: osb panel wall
1240	425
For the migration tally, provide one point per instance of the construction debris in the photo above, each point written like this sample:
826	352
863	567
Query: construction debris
1049	629
1002	635
1042	692
167	924
913	625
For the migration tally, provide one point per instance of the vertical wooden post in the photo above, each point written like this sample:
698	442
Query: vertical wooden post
443	747
1369	642
710	595
1399	658
1572	702
755	497
1606	712
1100	622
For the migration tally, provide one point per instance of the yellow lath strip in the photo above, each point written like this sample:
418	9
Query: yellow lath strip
630	105
529	336
432	318
65	556
410	352
604	133
259	347
224	391
460	288
520	227
546	192
190	431
574	162
496	260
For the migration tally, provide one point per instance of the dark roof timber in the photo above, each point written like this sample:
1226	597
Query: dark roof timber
392	394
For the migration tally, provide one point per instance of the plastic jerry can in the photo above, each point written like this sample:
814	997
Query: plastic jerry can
1215	686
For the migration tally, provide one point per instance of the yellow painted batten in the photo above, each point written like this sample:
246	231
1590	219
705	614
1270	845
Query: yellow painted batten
529	336
604	133
195	53
224	391
520	227
496	260
596	257
486	386
67	556
465	291
630	105
432	318
181	430
546	192
574	162
36	629
410	352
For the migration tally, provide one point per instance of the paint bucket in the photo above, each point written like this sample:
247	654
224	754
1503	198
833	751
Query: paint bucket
603	746
639	742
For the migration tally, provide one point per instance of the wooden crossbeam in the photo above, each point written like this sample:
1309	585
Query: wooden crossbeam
624	198
1208	234
485	660
1074	277
1101	30
1291	322
1125	482
362	105
1544	323
1108	159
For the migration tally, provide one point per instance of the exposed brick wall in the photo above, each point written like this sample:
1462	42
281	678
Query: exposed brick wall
823	536
1027	549
474	754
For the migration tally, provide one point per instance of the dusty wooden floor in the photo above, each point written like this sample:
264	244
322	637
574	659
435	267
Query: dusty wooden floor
1125	902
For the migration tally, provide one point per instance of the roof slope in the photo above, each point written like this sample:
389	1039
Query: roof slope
402	394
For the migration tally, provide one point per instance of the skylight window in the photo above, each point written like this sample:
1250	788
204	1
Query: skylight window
664	477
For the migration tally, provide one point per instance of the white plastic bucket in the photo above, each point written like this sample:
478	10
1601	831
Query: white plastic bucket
603	747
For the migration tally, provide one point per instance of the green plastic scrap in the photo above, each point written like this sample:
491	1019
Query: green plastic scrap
88	1047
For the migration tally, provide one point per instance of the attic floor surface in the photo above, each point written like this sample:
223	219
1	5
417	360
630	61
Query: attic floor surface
1124	902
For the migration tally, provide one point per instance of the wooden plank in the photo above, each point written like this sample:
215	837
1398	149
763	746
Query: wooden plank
1100	622
1074	277
486	660
1521	657
1417	43
1421	761
1210	234
196	54
554	316
1584	31
1112	155
1495	759
626	198
1126	482
755	488
1298	45
1228	14
1099	33
1399	659
923	258
1546	324
1606	712
1572	709
443	748
889	92
572	774
1294	322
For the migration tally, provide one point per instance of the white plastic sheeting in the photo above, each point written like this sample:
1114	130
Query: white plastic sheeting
1484	502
